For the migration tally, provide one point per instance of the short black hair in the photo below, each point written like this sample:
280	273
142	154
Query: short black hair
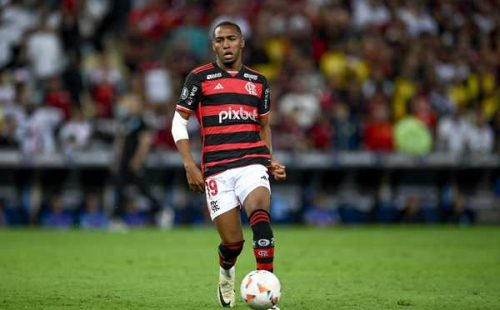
226	23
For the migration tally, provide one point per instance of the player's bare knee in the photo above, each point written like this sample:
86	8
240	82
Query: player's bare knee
232	236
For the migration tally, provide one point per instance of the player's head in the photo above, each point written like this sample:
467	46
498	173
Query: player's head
227	43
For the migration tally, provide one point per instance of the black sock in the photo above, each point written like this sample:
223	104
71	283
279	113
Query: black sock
263	239
228	253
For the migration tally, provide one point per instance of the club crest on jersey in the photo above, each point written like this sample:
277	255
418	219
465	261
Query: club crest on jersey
240	114
251	88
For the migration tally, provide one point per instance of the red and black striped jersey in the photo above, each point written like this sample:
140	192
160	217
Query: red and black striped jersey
228	108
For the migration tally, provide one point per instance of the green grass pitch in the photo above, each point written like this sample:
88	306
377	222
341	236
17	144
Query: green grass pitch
343	268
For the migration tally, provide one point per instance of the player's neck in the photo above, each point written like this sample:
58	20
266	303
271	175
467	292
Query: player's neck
235	67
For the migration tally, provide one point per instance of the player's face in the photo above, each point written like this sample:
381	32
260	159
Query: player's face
227	45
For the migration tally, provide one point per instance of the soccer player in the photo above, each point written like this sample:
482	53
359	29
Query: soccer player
132	145
232	104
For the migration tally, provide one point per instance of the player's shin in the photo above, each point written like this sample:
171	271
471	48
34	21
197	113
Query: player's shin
228	253
263	239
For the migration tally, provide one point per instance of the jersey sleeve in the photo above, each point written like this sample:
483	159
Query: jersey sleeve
265	101
190	94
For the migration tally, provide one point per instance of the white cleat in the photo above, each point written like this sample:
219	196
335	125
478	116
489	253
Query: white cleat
274	308
225	291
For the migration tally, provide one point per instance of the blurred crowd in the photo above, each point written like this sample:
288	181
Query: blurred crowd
377	75
322	205
346	75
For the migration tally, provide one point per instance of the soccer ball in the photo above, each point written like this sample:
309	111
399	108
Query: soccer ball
260	289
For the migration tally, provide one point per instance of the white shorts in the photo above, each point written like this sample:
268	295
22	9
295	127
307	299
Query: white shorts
228	190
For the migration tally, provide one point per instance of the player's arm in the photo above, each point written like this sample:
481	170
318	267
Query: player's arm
181	138
191	94
277	170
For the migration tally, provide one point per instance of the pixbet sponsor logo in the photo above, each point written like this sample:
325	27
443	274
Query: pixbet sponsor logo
238	114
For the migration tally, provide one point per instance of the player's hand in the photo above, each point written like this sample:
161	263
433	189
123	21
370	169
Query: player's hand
195	178
277	170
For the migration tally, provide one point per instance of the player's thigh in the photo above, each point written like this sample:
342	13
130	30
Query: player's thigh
259	198
253	188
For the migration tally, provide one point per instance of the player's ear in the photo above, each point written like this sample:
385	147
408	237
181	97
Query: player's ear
242	42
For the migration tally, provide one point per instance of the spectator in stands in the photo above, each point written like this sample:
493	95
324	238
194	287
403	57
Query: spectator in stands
452	132
75	134
300	104
412	136
480	138
422	109
133	215
44	52
7	91
150	21
157	85
370	13
417	18
92	17
378	132
412	211
69	29
56	215
105	84
321	134
290	136
345	127
456	208
15	20
320	213
193	35
93	215
58	96
38	132
9	132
